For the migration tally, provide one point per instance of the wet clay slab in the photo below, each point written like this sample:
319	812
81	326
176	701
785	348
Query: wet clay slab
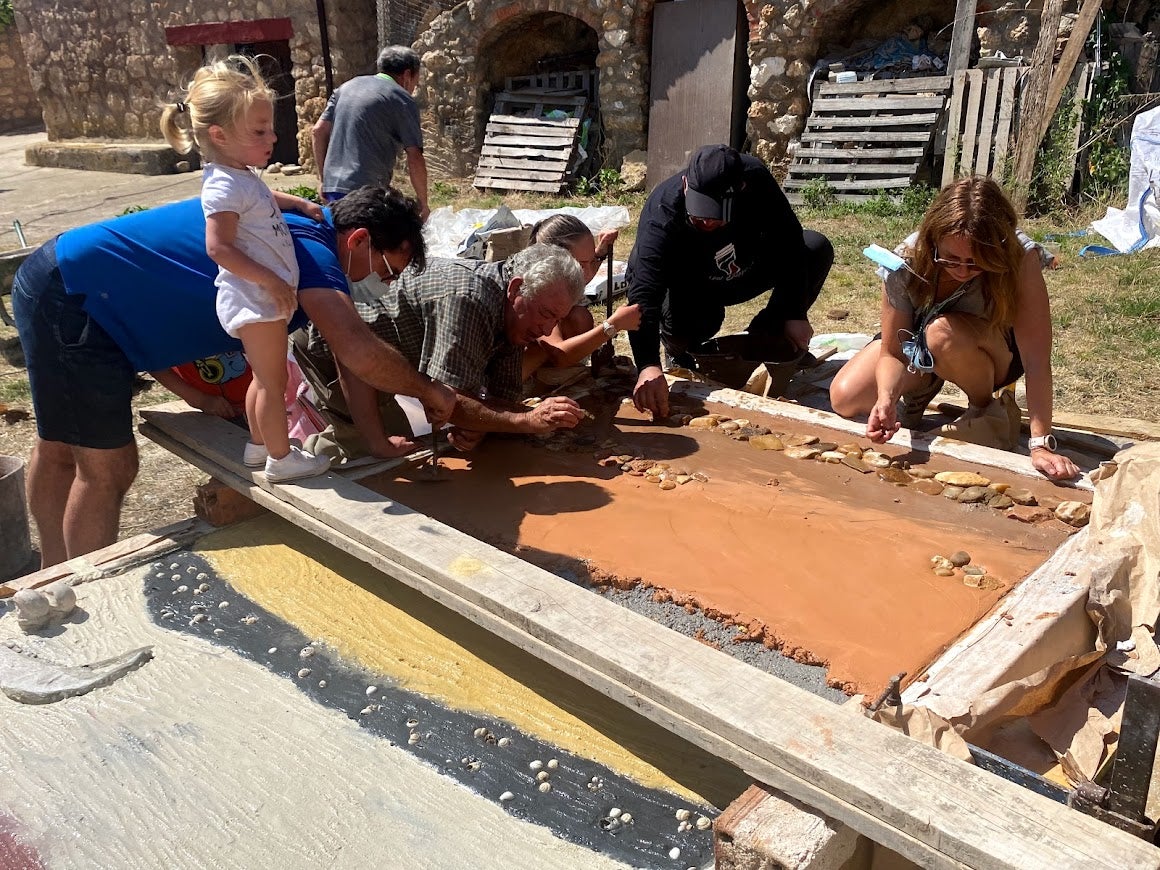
824	562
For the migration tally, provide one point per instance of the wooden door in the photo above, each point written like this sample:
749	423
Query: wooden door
699	78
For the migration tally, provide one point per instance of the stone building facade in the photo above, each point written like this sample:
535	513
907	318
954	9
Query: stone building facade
102	70
18	104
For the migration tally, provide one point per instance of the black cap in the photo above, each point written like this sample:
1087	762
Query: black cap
714	176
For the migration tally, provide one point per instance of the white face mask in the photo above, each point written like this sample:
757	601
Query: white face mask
372	287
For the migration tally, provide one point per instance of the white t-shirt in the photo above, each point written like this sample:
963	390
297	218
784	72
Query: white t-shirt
262	232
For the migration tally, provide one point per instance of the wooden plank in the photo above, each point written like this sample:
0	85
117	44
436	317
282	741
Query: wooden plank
910	166
549	174
1032	124
857	153
514	184
983	165
954	150
1003	123
114	558
959	55
797	199
920	85
879	104
1067	60
974	78
917	120
529	130
848	136
864	184
507	151
539	141
933	809
541	99
517	163
519	120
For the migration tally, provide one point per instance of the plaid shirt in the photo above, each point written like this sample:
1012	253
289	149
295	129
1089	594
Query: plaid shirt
448	321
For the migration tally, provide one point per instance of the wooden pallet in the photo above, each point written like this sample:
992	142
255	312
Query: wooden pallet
979	122
529	152
578	79
867	137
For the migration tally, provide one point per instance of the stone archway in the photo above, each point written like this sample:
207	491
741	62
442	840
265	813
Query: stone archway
470	49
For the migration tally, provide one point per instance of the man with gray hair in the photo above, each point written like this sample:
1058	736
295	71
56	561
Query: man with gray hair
464	323
365	122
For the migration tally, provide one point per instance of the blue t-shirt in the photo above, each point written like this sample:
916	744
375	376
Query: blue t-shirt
149	283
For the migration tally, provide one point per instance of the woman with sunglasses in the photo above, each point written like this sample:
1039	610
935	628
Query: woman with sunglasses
970	307
577	335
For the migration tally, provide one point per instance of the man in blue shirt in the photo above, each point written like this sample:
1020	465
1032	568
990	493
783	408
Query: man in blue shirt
100	303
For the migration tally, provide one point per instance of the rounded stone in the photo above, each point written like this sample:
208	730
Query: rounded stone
767	442
944	572
975	570
960	558
921	473
802	452
952	492
930	487
894	475
961	478
973	494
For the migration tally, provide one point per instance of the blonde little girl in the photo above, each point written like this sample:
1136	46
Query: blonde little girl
228	114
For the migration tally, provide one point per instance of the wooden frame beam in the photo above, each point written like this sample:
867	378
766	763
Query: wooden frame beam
927	806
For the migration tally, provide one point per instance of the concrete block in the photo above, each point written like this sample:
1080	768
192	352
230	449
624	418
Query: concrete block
136	158
219	505
766	830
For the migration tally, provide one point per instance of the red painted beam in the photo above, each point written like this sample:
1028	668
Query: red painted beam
230	32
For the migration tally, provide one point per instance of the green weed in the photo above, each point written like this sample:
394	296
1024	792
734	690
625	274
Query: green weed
305	191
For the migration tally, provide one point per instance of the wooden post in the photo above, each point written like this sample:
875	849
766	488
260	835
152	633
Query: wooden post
1067	61
1032	101
959	57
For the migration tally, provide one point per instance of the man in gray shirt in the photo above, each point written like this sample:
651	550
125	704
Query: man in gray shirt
366	121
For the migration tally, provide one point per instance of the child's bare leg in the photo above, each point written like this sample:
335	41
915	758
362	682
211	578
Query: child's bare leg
265	346
252	412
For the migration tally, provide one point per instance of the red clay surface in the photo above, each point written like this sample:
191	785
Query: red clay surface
823	562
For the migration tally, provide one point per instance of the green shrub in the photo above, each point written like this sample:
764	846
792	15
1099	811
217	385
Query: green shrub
305	191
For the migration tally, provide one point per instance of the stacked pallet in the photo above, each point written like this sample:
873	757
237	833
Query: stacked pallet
868	137
522	148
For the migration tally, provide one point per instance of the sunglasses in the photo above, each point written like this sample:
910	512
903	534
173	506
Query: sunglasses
970	265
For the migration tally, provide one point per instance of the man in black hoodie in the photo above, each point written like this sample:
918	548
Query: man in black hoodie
718	233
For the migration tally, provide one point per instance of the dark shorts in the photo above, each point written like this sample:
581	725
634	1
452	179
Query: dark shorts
82	382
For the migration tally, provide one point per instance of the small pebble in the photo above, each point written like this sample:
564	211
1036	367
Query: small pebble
304	673
668	484
960	558
271	650
614	812
306	652
413	738
626	818
943	562
700	476
952	492
542	776
545	787
1074	513
703	823
832	456
506	796
894	475
367	710
536	765
175	578
553	764
198	617
973	495
944	572
503	741
322	684
218	632
204	587
182	588
975	570
801	452
371	690
682	815
683	826
173	566
201	576
674	853
223	605
478	732
414	723
921	473
999	501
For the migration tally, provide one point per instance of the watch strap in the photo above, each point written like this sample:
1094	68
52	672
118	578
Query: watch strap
1047	441
609	330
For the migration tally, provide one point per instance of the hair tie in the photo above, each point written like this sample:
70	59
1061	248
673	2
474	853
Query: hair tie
180	106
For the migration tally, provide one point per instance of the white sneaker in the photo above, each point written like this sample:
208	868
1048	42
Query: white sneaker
295	465
254	456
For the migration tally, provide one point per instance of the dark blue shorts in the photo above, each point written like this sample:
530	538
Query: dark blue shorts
82	382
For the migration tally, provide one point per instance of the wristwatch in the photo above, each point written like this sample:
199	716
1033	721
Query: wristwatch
1047	441
609	330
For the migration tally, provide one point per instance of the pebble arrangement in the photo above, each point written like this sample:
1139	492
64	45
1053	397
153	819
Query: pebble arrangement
631	823
958	564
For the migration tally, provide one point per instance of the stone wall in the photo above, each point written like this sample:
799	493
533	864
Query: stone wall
102	70
785	40
18	103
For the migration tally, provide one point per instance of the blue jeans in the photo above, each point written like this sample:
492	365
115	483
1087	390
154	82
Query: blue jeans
82	382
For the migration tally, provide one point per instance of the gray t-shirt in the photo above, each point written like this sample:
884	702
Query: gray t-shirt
373	118
972	301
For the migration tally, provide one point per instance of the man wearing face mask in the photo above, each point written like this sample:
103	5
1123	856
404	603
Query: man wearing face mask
100	303
718	233
464	323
